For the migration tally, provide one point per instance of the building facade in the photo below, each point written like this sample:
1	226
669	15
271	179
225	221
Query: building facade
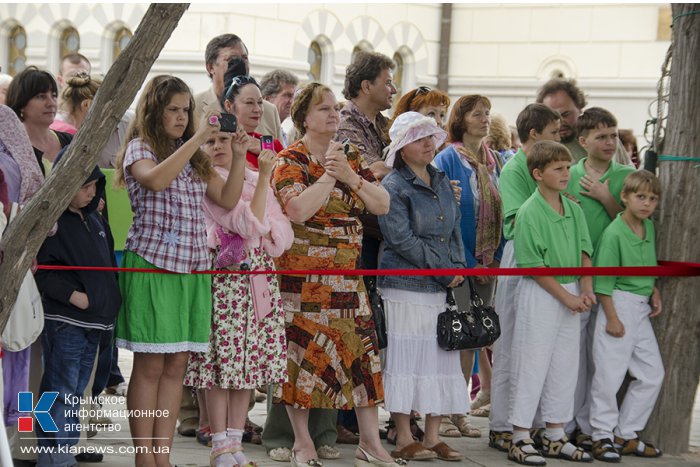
505	51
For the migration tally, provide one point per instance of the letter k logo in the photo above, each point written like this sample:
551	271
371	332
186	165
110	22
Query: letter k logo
41	411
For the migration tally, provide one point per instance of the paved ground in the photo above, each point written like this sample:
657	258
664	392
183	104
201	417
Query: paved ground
187	452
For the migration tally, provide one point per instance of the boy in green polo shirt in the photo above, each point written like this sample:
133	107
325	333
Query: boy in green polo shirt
550	231
624	339
596	183
596	180
536	122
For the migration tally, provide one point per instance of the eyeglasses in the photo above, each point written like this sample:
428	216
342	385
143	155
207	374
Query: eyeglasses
423	90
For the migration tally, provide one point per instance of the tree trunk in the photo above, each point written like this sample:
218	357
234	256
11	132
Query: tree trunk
26	233
678	327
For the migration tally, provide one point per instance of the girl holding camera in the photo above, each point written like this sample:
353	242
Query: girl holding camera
247	343
165	316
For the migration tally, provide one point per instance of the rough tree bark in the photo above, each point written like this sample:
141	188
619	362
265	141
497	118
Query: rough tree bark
25	235
678	327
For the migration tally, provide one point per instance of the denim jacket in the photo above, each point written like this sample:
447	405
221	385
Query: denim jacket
421	230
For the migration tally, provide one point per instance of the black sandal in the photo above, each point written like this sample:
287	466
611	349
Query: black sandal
416	430
516	453
554	449
500	440
603	450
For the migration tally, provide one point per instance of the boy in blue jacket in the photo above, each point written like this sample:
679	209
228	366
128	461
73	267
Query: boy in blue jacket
79	306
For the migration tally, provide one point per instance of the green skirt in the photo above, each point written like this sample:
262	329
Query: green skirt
163	313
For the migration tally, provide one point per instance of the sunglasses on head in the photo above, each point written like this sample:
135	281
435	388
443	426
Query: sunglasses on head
423	90
240	81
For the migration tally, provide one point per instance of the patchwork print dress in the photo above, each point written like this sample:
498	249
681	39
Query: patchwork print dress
332	351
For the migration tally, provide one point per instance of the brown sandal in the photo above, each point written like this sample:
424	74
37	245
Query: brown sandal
636	447
414	451
446	453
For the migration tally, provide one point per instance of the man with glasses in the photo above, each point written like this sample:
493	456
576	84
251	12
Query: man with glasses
217	54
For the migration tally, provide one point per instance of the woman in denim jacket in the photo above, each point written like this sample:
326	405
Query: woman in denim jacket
421	231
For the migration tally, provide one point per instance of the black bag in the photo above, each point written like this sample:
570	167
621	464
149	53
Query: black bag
377	305
474	328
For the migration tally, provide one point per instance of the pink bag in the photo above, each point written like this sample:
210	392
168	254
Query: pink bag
262	297
232	249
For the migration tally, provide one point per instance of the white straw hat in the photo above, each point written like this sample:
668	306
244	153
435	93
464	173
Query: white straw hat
409	127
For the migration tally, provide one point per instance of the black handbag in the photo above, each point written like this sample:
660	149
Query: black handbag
474	328
377	305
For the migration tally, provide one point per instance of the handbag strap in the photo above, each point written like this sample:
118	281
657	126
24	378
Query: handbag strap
475	297
450	301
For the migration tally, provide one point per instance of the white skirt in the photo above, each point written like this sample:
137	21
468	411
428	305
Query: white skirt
419	375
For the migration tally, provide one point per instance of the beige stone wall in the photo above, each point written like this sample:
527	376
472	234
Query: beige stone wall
503	51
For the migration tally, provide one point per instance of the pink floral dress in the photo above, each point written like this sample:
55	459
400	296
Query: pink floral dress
244	352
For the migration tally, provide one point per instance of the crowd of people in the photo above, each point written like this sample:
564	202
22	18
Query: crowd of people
345	187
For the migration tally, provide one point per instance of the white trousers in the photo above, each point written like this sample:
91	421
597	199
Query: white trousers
544	356
636	351
582	399
505	305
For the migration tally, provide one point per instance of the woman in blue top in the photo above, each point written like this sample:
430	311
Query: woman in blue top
421	231
477	168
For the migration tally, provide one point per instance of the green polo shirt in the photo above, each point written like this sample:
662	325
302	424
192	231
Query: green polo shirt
545	238
619	246
597	217
516	186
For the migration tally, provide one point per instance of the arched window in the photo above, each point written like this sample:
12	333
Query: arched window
398	75
121	40
362	46
17	50
70	42
315	61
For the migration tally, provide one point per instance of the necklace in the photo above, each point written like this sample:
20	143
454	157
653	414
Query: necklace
590	168
320	160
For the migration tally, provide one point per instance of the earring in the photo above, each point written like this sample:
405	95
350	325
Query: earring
21	114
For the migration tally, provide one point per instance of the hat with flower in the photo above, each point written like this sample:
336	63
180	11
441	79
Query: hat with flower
410	127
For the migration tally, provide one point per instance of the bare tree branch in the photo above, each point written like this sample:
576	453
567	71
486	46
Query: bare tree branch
26	233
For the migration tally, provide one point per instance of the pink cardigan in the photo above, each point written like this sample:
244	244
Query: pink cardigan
14	136
242	221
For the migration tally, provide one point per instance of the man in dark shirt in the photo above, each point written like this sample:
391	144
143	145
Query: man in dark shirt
369	91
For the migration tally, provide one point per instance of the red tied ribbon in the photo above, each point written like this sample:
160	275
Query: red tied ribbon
664	269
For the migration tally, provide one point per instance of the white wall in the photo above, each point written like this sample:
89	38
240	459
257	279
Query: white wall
503	51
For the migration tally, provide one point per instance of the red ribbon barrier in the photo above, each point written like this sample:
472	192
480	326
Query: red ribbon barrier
664	269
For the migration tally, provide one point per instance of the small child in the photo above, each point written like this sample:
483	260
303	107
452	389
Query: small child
79	306
624	339
550	231
536	122
596	183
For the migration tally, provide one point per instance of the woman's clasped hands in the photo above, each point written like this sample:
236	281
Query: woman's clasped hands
337	166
